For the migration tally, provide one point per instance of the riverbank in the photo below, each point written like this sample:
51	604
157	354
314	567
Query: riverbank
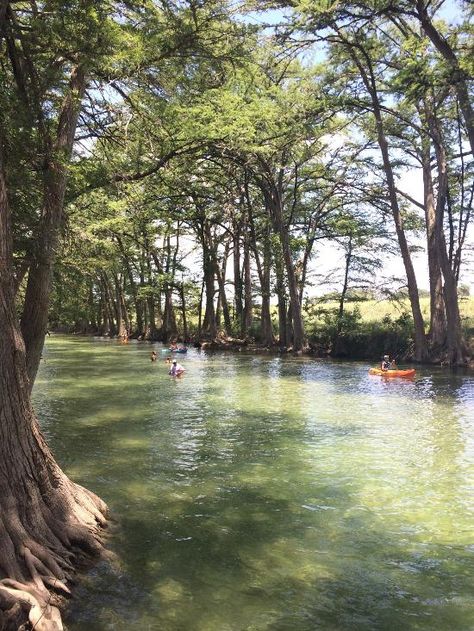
367	330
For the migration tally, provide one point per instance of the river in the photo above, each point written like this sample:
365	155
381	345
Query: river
265	493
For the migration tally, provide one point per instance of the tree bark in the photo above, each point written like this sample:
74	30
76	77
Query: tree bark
437	334
268	338
209	324
168	327
34	320
150	330
281	294
420	338
264	275
299	339
137	304
109	305
454	338
237	273
247	315
121	325
369	81
345	285
201	296
92	309
183	312
220	275
45	519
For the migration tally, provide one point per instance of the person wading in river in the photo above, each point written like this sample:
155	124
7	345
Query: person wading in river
176	369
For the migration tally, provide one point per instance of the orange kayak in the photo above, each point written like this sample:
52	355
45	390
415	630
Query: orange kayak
410	372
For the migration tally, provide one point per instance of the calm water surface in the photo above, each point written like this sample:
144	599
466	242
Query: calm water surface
266	493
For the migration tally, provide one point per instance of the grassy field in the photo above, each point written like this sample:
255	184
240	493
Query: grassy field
373	311
371	327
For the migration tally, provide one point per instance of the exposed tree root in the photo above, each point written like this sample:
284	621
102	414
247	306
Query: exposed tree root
42	615
40	552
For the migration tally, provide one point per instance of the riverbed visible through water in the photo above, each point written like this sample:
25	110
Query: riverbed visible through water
266	493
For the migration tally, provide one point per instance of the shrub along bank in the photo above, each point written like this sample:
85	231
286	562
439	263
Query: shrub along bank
370	329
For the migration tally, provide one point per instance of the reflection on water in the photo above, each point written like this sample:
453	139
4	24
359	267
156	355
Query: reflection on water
262	493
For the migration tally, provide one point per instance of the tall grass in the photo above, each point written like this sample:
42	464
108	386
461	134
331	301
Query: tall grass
377	310
371	328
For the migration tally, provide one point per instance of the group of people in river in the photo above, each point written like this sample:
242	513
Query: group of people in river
175	368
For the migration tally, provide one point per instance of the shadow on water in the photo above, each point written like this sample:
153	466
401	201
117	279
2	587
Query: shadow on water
266	493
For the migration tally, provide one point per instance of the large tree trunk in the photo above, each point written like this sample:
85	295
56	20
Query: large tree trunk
137	303
266	316
369	80
455	343
34	320
110	307
437	333
183	312
281	295
345	285
92	323
46	521
99	310
237	273
201	296
151	332
420	339
168	328
264	275
120	309
247	315
150	329
102	313
220	275
209	325
290	332
109	324
299	338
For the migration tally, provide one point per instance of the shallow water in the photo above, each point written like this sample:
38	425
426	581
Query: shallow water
266	493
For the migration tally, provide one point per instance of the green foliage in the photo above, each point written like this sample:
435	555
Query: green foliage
194	123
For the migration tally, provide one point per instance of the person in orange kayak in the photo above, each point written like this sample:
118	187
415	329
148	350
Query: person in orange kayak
387	364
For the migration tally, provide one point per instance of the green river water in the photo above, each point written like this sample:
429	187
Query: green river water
266	493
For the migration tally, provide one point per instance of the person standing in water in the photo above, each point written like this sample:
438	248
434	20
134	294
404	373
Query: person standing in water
176	369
